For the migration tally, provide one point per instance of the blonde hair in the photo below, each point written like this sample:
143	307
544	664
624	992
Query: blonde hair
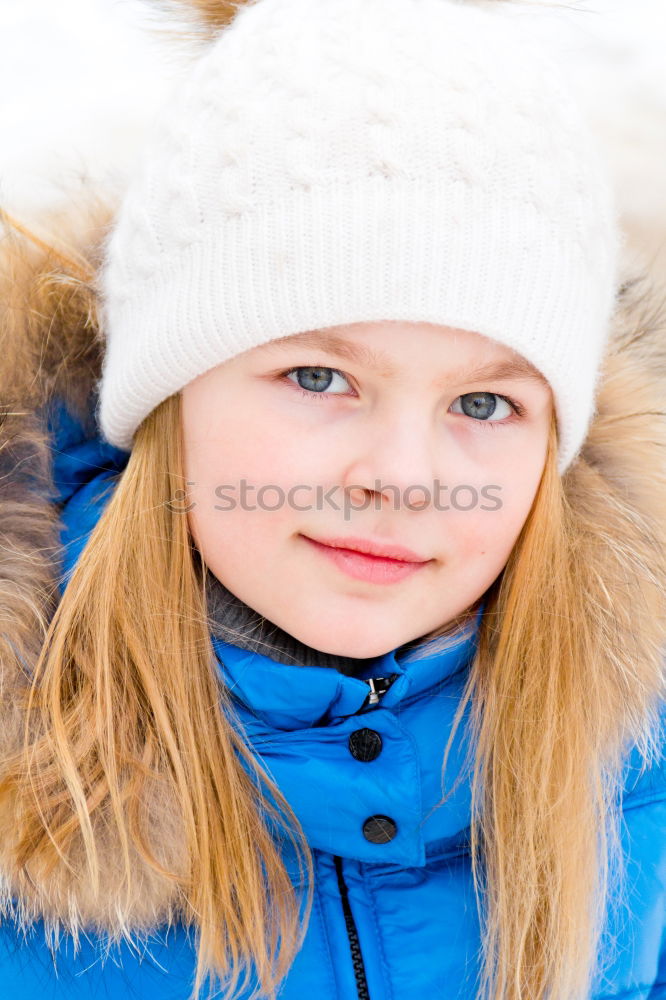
127	720
558	689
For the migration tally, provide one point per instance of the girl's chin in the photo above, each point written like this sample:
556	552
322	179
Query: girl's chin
353	646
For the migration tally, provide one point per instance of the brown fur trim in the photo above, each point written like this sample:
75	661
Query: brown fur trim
617	491
215	13
194	21
49	340
51	346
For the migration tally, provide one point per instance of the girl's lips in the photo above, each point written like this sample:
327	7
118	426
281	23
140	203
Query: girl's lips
386	550
362	566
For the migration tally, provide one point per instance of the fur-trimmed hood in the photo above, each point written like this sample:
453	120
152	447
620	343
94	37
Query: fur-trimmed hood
52	348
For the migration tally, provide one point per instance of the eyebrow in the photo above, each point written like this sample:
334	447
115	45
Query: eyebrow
517	368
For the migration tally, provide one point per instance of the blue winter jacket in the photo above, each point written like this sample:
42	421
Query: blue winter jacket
394	913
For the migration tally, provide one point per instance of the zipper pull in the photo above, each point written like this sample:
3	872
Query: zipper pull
378	687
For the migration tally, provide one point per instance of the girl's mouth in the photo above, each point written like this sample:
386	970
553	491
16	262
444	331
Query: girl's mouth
363	566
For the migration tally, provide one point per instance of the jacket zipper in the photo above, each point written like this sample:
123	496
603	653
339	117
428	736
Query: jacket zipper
378	686
354	944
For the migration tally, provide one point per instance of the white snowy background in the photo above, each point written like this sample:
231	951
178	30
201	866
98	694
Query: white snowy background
80	80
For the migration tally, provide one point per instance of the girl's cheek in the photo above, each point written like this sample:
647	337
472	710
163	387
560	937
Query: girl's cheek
491	524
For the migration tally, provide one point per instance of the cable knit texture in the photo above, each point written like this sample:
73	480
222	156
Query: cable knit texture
328	162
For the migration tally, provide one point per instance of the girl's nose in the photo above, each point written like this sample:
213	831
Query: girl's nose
396	458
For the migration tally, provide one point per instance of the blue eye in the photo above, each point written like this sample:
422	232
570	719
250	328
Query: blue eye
483	406
314	380
488	408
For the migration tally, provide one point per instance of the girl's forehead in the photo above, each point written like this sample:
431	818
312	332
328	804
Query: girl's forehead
382	345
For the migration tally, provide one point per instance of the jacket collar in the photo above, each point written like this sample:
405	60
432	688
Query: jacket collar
301	721
288	696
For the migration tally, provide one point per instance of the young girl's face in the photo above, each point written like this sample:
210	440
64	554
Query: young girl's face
379	432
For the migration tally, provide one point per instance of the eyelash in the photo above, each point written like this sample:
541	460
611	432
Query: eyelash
309	394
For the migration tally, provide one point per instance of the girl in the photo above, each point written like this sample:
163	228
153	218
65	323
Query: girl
333	549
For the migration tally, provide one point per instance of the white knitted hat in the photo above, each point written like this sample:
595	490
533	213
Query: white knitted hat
334	161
